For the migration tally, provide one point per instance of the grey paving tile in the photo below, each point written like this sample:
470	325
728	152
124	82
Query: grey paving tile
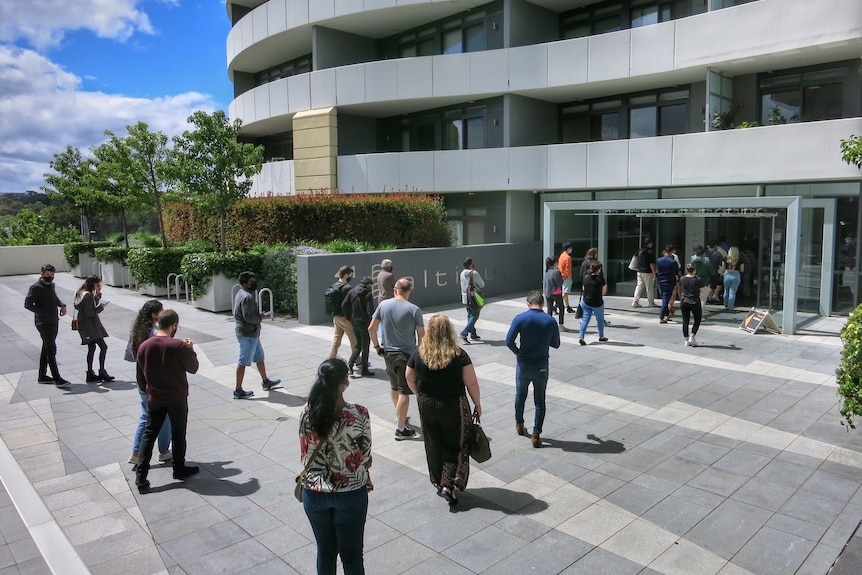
810	507
238	557
396	556
718	481
676	515
722	532
481	550
186	548
601	562
450	529
438	565
773	552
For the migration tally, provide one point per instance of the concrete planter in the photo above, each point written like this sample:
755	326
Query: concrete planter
153	290
218	295
84	267
112	274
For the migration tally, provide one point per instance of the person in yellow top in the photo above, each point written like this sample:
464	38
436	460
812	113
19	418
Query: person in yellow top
564	264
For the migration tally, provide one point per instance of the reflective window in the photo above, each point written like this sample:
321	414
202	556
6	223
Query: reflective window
642	122
805	95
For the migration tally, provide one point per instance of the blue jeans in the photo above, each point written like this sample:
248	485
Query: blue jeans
731	284
338	522
164	437
666	290
588	313
472	316
537	374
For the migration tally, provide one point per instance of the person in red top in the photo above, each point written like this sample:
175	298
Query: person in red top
564	264
162	364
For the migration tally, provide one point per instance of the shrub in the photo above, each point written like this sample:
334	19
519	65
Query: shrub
112	254
199	268
404	219
200	245
848	376
147	240
73	250
279	273
152	265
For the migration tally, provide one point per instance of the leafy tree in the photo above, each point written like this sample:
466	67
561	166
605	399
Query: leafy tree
139	170
212	169
114	176
851	151
30	228
73	182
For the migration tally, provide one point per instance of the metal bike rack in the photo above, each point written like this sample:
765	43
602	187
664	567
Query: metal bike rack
177	287
96	268
172	276
271	302
132	281
234	289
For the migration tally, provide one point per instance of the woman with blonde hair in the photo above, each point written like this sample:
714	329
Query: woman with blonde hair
732	277
441	374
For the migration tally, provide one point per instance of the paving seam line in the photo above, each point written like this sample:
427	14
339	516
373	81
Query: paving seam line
58	552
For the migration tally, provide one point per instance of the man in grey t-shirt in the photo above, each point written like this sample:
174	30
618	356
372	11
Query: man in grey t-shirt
404	327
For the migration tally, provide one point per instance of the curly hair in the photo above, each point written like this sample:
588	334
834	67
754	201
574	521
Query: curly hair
439	345
142	327
323	395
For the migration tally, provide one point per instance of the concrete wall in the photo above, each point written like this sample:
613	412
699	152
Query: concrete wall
528	23
506	269
331	48
530	122
18	260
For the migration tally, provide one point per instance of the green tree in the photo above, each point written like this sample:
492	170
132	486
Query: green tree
851	151
73	182
114	175
30	228
212	168
140	166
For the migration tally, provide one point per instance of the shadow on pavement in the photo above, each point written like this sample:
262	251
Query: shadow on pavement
484	498
599	445
276	396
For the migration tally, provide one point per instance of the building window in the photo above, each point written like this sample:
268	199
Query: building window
615	15
462	127
463	33
803	96
644	115
293	67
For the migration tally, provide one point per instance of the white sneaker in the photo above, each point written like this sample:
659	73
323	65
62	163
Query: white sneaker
166	456
687	343
692	342
133	460
636	304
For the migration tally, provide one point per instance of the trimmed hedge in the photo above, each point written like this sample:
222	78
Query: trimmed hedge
279	274
152	265
112	254
199	268
73	250
400	219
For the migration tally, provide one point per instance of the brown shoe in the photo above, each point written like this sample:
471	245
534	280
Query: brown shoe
519	429
536	441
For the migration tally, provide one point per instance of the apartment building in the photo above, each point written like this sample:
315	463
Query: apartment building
596	122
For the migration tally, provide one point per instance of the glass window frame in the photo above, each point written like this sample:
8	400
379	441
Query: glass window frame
800	80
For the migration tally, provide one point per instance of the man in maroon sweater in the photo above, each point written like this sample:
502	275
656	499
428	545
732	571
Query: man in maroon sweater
162	364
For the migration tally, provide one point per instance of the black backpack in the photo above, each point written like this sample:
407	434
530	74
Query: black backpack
333	296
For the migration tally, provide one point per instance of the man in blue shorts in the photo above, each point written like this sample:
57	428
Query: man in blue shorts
247	317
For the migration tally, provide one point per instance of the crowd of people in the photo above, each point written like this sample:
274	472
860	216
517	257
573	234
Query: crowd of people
334	435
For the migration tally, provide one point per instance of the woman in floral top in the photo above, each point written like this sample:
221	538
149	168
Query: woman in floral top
335	489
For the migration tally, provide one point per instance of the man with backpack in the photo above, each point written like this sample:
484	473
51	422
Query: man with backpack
358	306
646	274
333	297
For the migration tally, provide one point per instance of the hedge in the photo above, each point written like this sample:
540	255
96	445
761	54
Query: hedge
400	219
198	269
152	265
73	250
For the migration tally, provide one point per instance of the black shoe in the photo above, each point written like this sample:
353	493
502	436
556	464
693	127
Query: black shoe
367	373
465	339
582	342
475	337
92	377
603	339
104	376
46	379
570	310
406	434
186	471
350	367
143	486
62	383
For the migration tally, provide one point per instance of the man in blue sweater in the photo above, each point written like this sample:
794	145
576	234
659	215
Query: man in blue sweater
538	332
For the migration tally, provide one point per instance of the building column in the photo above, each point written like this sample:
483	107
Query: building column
315	150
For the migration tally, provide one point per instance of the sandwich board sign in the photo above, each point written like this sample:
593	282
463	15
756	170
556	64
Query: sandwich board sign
759	319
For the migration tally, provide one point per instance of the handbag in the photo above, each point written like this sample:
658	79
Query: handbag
579	313
474	298
75	321
633	264
480	447
297	491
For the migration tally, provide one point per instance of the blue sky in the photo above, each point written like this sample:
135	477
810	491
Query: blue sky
71	70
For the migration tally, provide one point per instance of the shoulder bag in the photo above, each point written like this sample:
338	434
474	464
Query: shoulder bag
474	298
633	264
75	320
297	491
480	447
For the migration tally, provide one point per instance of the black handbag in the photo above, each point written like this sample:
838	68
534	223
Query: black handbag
579	312
480	447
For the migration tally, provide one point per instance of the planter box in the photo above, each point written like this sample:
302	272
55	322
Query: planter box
112	274
217	298
84	267
153	290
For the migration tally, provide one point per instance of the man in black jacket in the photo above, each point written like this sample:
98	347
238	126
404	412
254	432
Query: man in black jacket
358	307
43	301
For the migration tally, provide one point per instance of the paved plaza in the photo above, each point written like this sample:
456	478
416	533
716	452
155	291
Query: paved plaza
724	459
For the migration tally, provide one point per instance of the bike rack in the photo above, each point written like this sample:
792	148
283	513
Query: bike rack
96	268
177	287
271	302
172	276
132	280
234	289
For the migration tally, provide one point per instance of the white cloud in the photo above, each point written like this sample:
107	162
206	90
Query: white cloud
43	109
44	22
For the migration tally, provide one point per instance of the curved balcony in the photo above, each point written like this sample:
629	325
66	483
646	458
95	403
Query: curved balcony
771	154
